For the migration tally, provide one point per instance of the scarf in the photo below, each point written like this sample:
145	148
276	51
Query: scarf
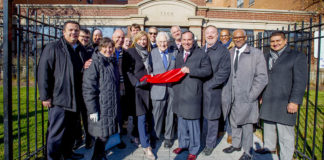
274	55
227	43
145	57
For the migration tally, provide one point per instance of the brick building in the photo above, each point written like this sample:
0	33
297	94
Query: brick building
253	15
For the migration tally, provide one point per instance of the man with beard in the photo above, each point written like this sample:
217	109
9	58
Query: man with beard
221	66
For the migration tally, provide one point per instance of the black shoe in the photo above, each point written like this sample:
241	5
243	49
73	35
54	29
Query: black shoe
168	143
88	143
99	157
231	149
264	151
121	145
74	155
245	157
123	131
77	144
208	151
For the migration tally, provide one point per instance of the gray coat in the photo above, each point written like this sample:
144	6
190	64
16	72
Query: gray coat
188	91
287	83
158	91
240	94
100	92
221	65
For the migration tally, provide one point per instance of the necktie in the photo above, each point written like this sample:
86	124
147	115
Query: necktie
186	56
165	59
236	60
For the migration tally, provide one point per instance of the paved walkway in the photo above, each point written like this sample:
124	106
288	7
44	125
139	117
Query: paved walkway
132	152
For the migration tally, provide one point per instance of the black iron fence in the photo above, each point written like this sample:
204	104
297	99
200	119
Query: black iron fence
24	128
30	34
308	38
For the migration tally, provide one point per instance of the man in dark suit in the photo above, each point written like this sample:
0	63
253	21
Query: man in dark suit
60	89
221	65
163	59
287	70
152	33
188	100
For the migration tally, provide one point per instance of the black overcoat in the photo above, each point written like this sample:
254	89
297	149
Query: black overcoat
221	65
135	70
189	91
101	91
287	83
56	77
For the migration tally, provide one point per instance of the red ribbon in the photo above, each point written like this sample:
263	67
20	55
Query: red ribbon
174	75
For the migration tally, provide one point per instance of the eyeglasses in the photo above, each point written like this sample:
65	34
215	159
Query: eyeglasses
85	37
154	33
224	36
239	38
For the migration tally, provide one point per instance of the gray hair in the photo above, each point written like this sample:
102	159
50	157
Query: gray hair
160	34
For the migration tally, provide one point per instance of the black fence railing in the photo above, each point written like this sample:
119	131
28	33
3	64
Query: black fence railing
30	34
306	37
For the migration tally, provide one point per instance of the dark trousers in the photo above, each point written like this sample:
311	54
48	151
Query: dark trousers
142	129
78	129
60	138
99	147
210	127
189	134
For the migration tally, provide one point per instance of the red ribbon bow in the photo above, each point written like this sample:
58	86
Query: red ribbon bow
174	75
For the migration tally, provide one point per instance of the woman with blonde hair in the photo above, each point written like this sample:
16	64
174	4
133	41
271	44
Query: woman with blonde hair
138	64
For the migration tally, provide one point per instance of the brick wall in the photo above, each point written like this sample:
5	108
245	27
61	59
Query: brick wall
256	16
68	2
84	11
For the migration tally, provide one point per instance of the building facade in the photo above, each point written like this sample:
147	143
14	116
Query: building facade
190	14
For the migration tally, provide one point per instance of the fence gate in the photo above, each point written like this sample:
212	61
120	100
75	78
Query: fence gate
25	119
308	38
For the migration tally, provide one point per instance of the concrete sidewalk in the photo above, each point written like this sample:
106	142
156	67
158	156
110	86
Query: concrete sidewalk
132	152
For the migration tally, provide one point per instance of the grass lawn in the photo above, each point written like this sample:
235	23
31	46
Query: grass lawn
304	139
35	125
307	139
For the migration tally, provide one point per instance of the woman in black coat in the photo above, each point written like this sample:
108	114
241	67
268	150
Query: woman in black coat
100	94
139	64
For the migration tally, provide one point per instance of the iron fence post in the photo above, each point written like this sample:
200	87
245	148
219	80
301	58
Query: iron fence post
7	81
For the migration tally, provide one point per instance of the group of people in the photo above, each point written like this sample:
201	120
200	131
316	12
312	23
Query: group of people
225	81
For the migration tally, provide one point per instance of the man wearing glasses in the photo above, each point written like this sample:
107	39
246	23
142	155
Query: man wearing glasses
226	40
153	31
240	95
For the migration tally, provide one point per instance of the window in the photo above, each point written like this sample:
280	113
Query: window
240	3
251	2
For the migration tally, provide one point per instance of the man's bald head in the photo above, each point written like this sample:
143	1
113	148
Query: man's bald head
118	37
176	33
